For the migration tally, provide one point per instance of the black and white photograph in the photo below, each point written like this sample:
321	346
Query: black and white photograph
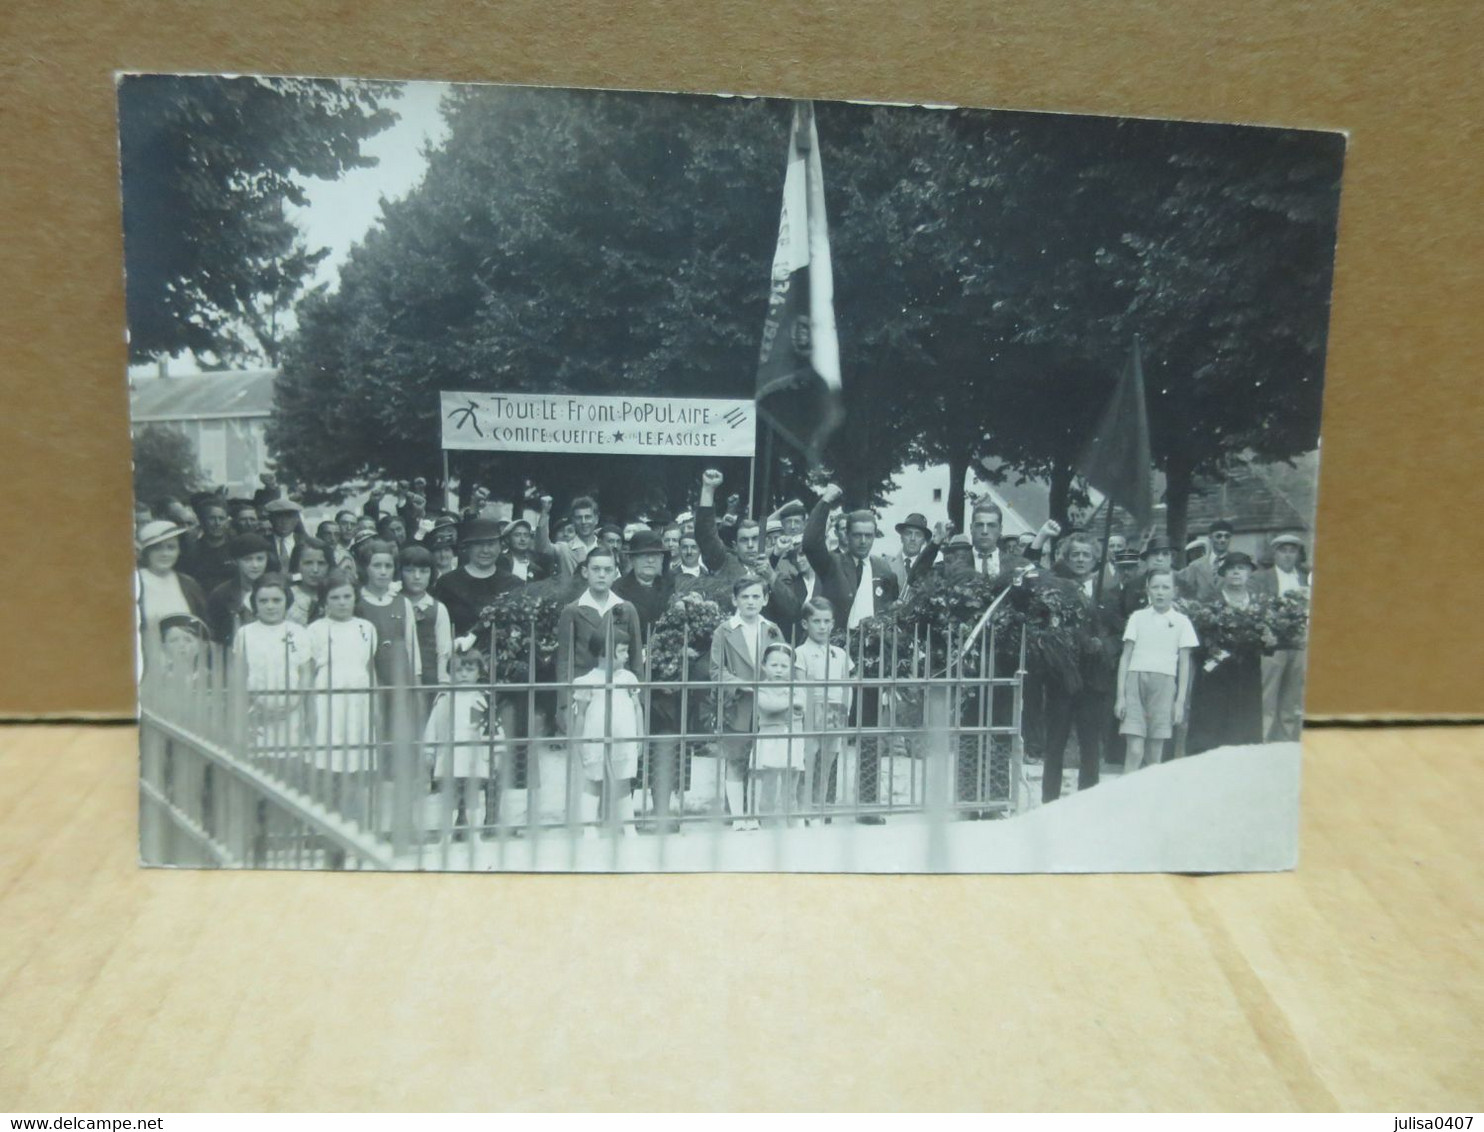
543	479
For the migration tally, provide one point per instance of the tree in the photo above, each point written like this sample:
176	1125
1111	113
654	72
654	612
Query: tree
990	273
583	241
209	163
164	465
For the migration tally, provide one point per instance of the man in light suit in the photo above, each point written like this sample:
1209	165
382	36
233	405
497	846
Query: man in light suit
1283	672
1201	580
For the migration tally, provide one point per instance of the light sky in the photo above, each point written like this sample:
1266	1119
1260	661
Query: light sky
340	213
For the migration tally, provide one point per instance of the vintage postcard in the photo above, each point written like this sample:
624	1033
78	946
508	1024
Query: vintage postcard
548	479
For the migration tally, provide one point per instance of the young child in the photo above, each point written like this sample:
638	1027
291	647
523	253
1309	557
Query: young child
275	652
826	709
432	625
777	756
341	646
464	739
310	566
230	605
737	648
588	618
605	709
1154	671
182	642
398	662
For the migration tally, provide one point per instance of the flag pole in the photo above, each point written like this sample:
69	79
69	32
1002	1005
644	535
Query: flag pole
767	470
1097	589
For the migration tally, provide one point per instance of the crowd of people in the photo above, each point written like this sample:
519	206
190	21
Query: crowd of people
390	595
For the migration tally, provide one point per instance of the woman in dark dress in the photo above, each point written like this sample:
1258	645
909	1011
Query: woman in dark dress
1226	701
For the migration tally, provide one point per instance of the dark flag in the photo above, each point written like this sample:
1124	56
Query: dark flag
798	369
1116	460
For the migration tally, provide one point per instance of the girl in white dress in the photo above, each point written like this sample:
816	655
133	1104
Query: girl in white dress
778	757
342	647
275	653
605	704
463	741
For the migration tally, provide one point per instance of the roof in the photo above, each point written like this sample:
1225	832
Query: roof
207	396
1254	498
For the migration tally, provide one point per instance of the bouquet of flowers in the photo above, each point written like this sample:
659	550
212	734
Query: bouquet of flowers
941	612
1054	620
1226	630
1290	619
686	627
517	619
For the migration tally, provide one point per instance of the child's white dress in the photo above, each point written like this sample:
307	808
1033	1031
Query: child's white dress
617	706
342	652
780	711
274	655
458	735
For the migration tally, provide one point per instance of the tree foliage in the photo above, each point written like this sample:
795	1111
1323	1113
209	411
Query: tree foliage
164	465
580	241
991	271
212	259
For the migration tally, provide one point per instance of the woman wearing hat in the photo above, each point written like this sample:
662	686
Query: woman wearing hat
229	606
162	591
1226	700
479	580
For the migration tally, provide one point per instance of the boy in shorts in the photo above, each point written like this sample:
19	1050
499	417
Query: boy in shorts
1154	671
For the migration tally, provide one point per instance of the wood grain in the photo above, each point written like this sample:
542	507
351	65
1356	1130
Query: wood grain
1356	982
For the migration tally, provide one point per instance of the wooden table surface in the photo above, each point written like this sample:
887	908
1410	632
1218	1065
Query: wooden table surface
1356	982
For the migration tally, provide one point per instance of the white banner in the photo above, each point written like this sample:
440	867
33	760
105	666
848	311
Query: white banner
563	422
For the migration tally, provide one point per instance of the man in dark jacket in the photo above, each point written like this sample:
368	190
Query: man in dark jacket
1087	708
856	582
521	560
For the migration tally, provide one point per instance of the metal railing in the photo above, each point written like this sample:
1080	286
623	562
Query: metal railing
314	771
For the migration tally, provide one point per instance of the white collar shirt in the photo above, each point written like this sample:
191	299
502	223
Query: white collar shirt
864	604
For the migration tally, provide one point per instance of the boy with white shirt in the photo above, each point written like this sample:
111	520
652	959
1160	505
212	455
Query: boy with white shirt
588	619
1153	672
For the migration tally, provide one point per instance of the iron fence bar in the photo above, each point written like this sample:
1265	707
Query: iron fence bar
326	824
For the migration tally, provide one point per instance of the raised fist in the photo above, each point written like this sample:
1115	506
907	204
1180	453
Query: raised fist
832	492
1050	529
711	478
545	504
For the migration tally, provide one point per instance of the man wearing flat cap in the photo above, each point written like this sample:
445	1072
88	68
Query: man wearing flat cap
1283	672
793	515
284	518
520	559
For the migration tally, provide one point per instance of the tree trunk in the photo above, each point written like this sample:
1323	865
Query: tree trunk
1179	480
1061	494
958	470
